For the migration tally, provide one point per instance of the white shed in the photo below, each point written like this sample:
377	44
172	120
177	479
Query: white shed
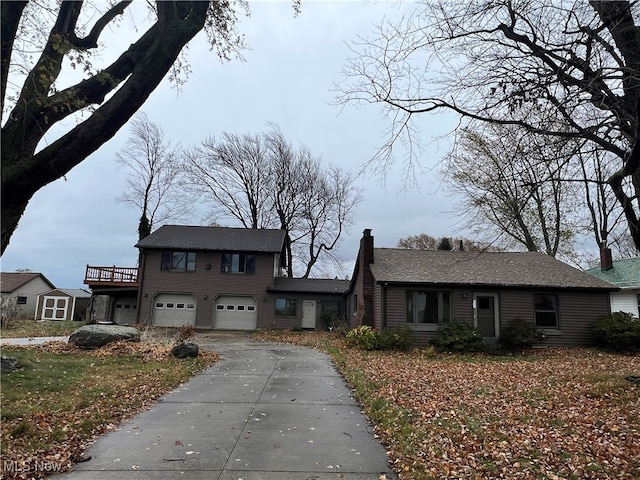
62	304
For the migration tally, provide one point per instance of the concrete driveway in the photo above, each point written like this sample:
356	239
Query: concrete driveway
266	411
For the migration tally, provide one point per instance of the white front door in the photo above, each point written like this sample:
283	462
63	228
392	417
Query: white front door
485	314
55	308
309	314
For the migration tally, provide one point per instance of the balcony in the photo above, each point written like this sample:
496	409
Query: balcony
111	276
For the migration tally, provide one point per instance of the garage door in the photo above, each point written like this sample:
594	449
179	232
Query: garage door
174	310
235	313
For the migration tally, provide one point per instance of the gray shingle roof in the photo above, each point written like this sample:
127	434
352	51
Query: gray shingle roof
514	269
12	281
215	238
624	274
310	285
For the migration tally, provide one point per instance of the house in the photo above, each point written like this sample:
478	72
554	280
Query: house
63	304
20	292
228	278
425	289
624	274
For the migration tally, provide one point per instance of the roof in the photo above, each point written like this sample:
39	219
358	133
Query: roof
506	269
215	238
309	285
624	274
72	292
12	281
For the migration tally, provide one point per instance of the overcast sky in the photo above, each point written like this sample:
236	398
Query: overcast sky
288	79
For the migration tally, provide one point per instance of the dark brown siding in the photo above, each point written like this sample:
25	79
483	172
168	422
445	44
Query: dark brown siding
209	282
577	311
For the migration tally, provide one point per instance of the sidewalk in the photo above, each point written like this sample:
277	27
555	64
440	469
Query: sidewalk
265	411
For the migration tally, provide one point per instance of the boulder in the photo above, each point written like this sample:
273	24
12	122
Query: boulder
96	336
185	350
9	364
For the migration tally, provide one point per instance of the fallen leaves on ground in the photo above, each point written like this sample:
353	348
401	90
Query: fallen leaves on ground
70	430
550	414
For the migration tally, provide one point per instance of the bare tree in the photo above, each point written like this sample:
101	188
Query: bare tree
494	61
101	98
512	187
422	241
154	176
235	174
262	181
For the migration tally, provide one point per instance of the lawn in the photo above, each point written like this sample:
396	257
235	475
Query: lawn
550	414
45	328
63	397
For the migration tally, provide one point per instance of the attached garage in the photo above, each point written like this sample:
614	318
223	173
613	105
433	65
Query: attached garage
234	312
174	310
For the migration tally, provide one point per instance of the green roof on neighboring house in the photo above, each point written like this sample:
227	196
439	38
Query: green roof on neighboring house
624	274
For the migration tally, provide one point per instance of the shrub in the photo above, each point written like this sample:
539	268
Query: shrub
458	337
519	334
618	331
395	338
363	337
184	333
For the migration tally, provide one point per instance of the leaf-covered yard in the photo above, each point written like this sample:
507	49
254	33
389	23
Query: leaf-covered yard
550	414
64	397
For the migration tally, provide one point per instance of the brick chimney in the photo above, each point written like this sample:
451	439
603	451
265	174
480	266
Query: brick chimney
364	288
606	259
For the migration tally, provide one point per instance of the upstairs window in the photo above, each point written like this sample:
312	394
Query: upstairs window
178	261
546	311
238	263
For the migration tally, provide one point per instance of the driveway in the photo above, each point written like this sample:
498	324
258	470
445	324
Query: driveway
265	411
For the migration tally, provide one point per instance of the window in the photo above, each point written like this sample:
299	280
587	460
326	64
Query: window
285	307
238	263
169	305
220	306
21	300
428	308
231	307
159	304
251	308
180	306
241	308
178	261
546	307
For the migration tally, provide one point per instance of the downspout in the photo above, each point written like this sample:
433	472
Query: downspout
383	305
142	261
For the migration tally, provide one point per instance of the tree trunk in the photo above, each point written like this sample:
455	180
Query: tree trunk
142	67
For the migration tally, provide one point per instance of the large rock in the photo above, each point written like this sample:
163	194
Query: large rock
185	350
96	336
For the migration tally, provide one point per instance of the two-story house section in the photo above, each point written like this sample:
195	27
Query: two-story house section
209	277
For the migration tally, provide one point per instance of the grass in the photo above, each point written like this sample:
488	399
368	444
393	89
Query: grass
44	328
62	397
555	413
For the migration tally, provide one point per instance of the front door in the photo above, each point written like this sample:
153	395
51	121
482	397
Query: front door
309	314
485	312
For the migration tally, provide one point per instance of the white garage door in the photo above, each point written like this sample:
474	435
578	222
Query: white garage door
174	310
235	313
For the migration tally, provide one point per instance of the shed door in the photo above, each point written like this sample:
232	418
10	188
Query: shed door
232	312
55	308
174	310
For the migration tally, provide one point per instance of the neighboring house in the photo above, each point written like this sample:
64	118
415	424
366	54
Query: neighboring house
20	292
227	278
425	289
624	274
62	304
